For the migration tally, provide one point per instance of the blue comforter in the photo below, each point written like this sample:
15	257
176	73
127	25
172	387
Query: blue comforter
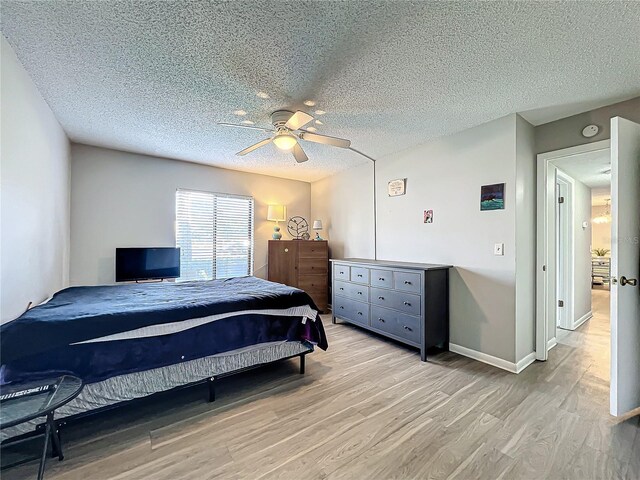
43	338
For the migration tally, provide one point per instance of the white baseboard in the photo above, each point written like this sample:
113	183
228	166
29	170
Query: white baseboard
582	319
495	361
552	343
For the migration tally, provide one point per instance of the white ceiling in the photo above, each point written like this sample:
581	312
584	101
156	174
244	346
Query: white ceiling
589	168
154	77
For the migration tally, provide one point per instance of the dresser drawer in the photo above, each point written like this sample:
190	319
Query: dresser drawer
360	275
352	290
311	249
409	282
404	302
341	272
382	278
348	309
313	266
396	323
312	283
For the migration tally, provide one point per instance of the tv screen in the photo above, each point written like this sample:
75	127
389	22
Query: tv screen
147	263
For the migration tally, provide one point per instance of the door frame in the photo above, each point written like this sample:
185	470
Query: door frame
545	239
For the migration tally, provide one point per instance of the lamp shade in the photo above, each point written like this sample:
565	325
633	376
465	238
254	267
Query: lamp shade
276	213
317	224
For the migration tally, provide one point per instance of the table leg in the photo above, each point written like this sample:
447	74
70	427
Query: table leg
47	434
55	438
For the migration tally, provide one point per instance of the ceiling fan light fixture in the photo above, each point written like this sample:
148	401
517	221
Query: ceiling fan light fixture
285	141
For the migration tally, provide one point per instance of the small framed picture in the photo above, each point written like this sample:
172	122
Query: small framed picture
397	187
428	216
492	197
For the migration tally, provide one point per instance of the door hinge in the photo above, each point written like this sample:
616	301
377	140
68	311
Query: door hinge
561	303
560	199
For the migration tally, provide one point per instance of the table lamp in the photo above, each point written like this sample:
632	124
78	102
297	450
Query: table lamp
276	213
317	225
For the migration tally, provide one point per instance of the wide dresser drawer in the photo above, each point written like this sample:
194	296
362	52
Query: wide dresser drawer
352	290
357	312
313	266
404	302
396	323
313	250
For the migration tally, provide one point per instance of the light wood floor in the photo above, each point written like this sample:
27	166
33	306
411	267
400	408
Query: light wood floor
369	408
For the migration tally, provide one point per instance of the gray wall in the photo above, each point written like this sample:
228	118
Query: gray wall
582	251
567	132
120	199
34	176
445	175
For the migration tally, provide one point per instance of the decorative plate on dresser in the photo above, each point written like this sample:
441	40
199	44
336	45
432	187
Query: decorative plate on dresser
408	302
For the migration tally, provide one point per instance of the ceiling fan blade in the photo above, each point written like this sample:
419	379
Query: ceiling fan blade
299	154
245	126
325	139
297	120
254	147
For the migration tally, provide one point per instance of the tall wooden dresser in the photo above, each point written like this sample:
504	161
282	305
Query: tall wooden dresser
303	264
408	302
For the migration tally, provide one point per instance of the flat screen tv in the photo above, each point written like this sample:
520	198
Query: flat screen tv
147	263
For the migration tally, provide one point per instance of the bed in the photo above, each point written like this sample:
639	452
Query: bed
134	340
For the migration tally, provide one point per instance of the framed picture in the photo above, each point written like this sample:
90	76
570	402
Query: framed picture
428	216
492	197
397	187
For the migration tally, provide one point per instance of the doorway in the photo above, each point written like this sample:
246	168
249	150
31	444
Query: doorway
621	286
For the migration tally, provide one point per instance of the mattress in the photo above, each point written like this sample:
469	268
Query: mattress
140	384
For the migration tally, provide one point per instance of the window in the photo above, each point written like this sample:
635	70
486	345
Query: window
215	235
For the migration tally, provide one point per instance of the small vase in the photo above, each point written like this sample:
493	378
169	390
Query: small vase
276	233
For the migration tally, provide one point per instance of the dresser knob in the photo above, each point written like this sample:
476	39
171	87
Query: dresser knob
408	328
407	282
341	307
381	279
359	293
359	313
381	320
380	298
359	275
407	303
341	288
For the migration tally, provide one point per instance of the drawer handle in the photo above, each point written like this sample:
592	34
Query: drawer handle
360	275
380	298
341	288
407	304
408	328
407	282
341	307
359	313
359	293
381	279
381	320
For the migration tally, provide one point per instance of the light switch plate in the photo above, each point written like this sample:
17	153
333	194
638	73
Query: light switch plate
498	249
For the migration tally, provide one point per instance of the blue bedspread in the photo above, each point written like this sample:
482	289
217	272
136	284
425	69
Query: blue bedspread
42	338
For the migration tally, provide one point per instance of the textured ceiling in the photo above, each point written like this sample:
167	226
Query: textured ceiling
154	77
588	168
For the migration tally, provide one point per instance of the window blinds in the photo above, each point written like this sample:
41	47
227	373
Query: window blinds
215	235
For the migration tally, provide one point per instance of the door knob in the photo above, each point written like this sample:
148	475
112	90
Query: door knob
628	281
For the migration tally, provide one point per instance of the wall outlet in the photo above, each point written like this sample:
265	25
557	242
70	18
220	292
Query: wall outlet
498	249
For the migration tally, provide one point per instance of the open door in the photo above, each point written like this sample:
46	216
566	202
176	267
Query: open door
625	266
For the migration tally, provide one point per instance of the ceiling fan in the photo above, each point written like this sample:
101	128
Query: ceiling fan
287	129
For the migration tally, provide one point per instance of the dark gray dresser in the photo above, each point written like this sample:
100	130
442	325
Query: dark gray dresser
408	302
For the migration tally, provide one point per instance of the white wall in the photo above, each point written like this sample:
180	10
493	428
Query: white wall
582	250
344	203
446	175
34	172
120	199
600	232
